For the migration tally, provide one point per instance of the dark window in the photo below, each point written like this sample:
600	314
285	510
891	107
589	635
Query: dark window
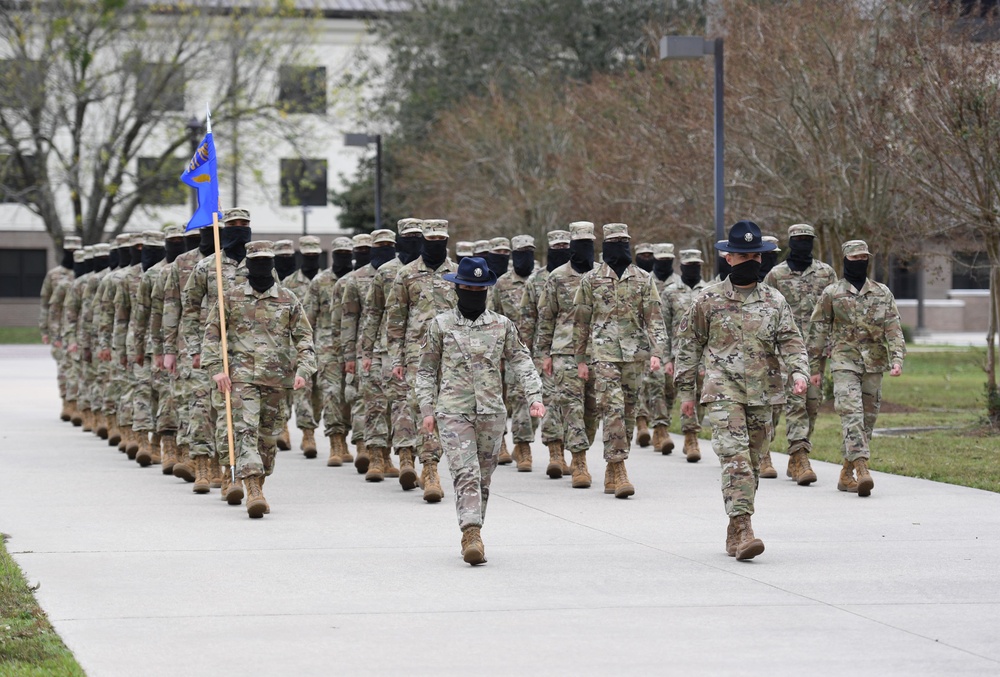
160	185
13	182
302	89
159	86
971	270
903	278
22	272
303	182
22	83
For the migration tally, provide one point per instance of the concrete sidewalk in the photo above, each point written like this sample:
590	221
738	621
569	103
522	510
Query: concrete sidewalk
142	577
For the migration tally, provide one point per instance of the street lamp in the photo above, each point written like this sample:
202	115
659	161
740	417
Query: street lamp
693	47
365	140
195	131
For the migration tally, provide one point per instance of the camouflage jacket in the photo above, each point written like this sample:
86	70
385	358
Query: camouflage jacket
56	302
71	309
125	296
107	282
459	365
673	281
801	289
319	309
269	340
200	294
352	304
298	284
556	312
418	295
49	285
175	278
742	342
139	340
506	294
106	307
86	332
335	345
674	302
618	320
862	328
155	332
373	327
527	322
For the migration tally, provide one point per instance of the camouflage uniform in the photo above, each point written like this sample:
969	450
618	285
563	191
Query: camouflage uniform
125	293
187	380
675	300
656	399
86	336
353	297
383	393
323	302
71	305
307	401
105	318
527	326
54	278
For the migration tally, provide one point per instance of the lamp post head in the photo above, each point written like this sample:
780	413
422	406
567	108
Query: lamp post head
359	139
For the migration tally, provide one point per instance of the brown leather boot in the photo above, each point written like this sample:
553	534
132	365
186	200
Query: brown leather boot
232	492
641	431
865	481
804	475
114	433
523	452
375	465
567	466
791	471
665	445
623	488
75	416
255	497
581	476
731	539
202	468
505	458
144	454
555	467
66	414
156	448
214	474
388	469
102	426
847	481
184	467
345	454
473	550
334	461
267	506
88	420
691	448
432	482
169	454
609	479
284	441
407	471
363	459
132	444
308	445
767	470
747	545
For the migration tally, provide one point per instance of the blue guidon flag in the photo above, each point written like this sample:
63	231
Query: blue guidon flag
202	174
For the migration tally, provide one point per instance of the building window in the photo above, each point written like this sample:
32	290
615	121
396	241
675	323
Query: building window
303	182
903	278
971	270
158	184
302	89
22	272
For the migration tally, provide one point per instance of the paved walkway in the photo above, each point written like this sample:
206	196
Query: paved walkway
141	577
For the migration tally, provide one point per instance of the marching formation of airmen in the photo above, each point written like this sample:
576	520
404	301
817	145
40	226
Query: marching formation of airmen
416	355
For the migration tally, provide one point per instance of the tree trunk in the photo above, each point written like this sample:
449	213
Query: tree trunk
992	394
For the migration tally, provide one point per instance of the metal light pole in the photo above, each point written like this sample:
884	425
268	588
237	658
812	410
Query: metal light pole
694	47
365	140
195	130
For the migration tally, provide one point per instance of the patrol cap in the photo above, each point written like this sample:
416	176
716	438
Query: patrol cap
772	239
616	230
361	240
582	230
463	248
102	249
383	236
522	242
664	250
135	239
173	233
235	214
801	229
122	239
436	227
72	242
79	256
342	244
691	256
88	252
409	226
744	238
152	238
499	243
558	237
643	248
309	244
852	247
260	248
284	248
481	246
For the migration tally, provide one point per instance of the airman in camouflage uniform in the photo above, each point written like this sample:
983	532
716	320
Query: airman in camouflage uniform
419	294
481	248
742	331
656	399
800	279
61	274
71	305
105	318
87	340
858	319
463	249
270	348
308	401
460	388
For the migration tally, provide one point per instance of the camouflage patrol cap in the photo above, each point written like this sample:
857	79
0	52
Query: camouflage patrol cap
88	252
691	256
102	249
342	244
772	239
481	246
123	239
235	214
409	226
616	230
801	229
643	248
309	244
284	248
72	242
260	248
522	242
463	248
582	230
152	238
664	250
852	247
362	240
499	243
135	239
558	237
173	233
383	236
434	227
79	256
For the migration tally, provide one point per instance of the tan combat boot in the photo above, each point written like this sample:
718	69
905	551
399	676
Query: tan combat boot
567	466
184	467
345	454
581	476
473	550
664	444
114	434
847	481
284	441
169	454
363	458
375	465
156	448
505	458
67	413
74	414
102	426
214	474
255	497
407	471
691	448
232	492
641	431
767	470
334	461
747	546
609	479
308	445
792	470
267	506
388	469
522	450
432	482
133	444
865	481
623	488
804	475
88	420
731	538
555	467
144	455
202	480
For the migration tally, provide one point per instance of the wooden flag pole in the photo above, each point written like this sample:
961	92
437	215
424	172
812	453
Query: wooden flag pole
225	346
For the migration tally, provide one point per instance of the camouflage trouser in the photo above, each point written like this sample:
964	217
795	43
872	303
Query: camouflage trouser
127	400
857	398
472	445
59	355
617	388
336	413
352	395
113	394
740	436
145	398
656	397
522	426
404	422
376	393
258	418
182	386
166	410
201	424
800	416
99	388
692	424
308	403
85	396
73	377
551	428
573	417
428	446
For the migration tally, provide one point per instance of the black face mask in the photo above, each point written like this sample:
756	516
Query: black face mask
342	263
409	247
582	255
767	261
88	265
745	274
207	243
856	272
135	255
498	263
113	259
617	255
310	265
259	270
471	304
192	241
79	269
382	255
556	258
434	253
174	248
100	263
800	255
284	265
724	268
663	268
67	259
524	262
691	274
151	256
233	241
362	257
645	262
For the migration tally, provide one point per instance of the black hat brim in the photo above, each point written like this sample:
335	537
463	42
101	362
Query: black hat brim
759	249
488	282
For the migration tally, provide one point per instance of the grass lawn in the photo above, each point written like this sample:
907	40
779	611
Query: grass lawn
20	335
28	644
